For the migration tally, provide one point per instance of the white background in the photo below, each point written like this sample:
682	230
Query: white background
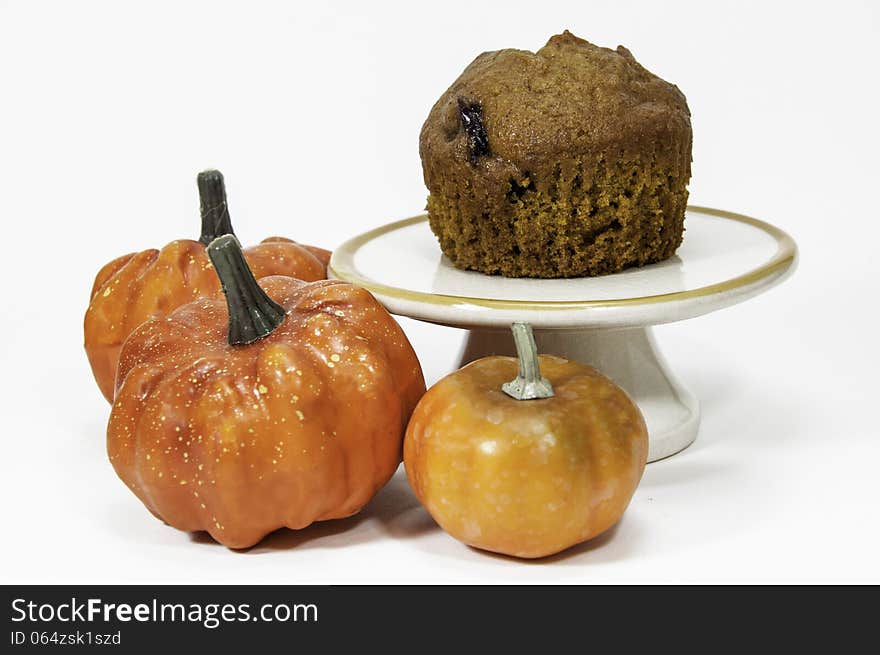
312	111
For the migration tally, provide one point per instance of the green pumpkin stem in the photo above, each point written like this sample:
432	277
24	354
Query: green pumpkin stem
529	384
212	206
252	313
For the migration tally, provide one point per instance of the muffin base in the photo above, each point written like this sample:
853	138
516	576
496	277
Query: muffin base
599	220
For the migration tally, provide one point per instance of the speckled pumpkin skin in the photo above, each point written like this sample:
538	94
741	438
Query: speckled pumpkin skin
137	287
527	478
303	425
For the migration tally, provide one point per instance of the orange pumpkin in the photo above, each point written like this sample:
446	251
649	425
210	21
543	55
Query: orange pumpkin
136	287
284	405
531	467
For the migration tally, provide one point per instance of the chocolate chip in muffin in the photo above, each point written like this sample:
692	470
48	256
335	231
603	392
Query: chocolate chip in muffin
471	115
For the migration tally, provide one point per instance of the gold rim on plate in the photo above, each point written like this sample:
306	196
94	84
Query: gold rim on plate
342	267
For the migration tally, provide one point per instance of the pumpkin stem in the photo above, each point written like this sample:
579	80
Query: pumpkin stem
212	206
252	313
529	384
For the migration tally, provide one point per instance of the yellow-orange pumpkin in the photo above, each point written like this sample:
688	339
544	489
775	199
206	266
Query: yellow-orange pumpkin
525	477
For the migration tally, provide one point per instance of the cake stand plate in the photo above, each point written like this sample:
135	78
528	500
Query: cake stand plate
602	321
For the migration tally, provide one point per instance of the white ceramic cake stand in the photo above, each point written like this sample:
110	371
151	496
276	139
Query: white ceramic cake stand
603	321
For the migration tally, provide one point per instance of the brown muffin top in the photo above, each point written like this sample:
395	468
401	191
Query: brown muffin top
569	97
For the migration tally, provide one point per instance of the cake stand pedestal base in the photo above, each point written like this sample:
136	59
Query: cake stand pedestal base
629	356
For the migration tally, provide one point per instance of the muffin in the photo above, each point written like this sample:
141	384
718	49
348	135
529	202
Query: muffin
567	162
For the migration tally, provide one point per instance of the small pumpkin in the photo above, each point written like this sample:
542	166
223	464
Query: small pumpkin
285	404
136	287
530	467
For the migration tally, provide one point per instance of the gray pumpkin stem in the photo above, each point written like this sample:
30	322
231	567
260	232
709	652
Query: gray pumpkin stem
529	384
